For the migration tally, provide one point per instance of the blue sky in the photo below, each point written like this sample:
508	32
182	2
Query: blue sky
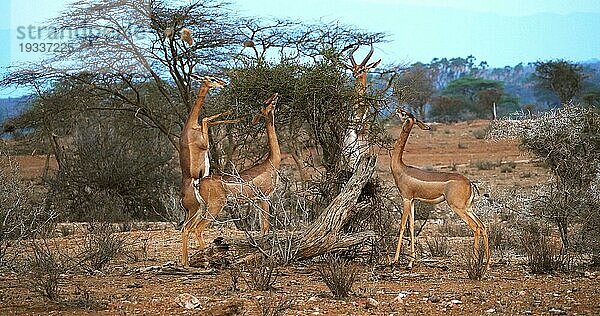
501	32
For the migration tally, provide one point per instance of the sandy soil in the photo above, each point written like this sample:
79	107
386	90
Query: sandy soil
149	286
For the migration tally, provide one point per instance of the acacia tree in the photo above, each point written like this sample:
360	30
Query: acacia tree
120	45
315	110
112	167
561	77
305	65
414	87
469	97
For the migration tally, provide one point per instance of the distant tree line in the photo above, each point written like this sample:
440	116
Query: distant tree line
459	89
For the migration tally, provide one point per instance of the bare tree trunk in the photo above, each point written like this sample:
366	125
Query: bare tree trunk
324	234
58	151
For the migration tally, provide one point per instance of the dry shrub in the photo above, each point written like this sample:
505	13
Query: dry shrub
499	240
173	213
423	211
283	247
260	273
485	165
21	216
338	273
86	300
101	246
567	143
273	306
109	174
138	249
481	133
438	246
279	246
508	167
543	252
44	269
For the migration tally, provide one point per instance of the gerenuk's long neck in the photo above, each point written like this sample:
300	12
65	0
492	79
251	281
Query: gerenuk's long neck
398	150
361	84
274	152
361	89
192	118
